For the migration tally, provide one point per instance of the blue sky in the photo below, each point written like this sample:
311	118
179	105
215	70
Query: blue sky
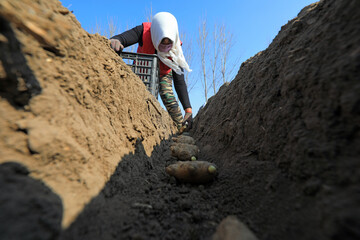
253	23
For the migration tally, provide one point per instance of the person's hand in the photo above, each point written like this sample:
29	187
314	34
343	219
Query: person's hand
116	45
188	120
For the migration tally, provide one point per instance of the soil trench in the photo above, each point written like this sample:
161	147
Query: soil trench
84	145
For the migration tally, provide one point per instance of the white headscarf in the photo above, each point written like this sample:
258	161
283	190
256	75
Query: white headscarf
164	25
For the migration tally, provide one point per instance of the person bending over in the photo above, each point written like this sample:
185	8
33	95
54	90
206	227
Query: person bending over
161	37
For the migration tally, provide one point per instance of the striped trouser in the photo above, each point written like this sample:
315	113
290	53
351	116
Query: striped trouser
169	99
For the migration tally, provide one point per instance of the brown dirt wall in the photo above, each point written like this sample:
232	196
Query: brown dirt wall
70	107
294	107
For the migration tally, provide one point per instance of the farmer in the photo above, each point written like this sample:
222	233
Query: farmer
161	37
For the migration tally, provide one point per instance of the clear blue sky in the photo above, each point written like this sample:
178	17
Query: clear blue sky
253	23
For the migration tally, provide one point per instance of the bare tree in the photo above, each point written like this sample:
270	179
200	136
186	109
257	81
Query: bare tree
149	13
203	44
187	47
215	55
97	28
108	31
225	46
112	27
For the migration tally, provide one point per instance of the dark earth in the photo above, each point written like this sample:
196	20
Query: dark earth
83	158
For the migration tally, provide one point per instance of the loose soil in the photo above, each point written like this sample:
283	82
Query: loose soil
84	145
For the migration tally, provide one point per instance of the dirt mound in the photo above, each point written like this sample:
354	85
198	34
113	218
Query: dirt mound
70	108
286	129
84	144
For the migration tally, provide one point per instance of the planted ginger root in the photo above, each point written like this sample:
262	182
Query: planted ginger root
184	151
192	171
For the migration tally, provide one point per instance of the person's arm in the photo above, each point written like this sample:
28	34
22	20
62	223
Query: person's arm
131	36
181	90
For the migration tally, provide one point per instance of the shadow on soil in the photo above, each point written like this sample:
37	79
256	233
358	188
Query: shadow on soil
29	209
142	202
19	84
